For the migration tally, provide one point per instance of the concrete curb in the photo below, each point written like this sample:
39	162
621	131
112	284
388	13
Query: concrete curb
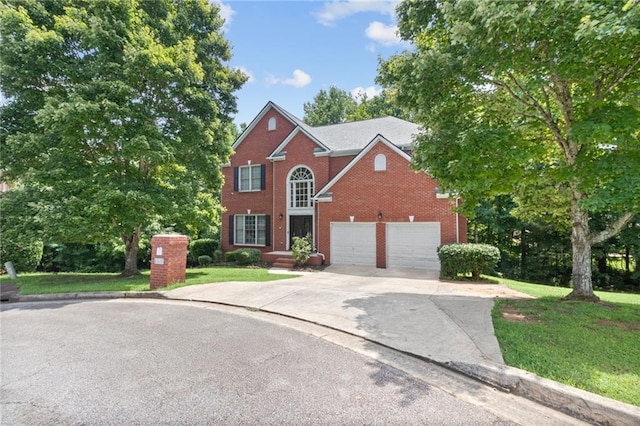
577	403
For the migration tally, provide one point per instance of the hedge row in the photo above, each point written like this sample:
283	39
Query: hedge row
461	259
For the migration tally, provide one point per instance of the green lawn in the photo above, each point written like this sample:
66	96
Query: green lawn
592	346
38	283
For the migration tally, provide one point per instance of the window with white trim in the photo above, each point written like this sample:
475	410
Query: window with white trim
251	230
271	125
250	177
380	163
300	188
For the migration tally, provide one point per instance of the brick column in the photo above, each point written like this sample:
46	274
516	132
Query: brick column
381	245
168	259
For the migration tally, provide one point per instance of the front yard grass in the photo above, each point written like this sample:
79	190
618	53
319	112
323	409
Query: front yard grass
591	346
39	283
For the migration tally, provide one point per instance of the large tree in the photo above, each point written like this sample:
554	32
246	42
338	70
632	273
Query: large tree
537	99
118	113
329	107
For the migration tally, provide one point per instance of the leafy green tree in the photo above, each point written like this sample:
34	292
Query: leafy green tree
330	107
528	95
376	106
118	114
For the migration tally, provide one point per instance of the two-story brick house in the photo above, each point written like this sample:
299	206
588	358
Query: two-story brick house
347	185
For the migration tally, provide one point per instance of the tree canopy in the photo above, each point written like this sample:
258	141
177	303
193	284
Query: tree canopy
338	106
536	99
118	114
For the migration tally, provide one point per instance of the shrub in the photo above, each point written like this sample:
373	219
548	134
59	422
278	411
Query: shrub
301	249
25	256
217	256
203	247
204	260
244	256
458	259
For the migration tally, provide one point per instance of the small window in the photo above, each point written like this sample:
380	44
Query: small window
272	124
250	178
251	230
380	163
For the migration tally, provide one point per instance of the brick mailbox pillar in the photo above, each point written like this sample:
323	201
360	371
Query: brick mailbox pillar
168	259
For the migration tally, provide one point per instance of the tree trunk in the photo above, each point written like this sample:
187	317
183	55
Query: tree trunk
131	253
581	252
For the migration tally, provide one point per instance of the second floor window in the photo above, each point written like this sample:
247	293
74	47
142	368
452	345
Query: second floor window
250	178
300	188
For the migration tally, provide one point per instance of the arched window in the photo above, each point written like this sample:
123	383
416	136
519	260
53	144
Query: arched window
300	188
380	163
272	124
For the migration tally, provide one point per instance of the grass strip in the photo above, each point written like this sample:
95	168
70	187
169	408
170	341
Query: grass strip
39	283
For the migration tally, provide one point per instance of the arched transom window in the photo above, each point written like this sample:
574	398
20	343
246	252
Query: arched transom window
300	188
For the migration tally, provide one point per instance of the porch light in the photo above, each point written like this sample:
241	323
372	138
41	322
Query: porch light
280	216
379	215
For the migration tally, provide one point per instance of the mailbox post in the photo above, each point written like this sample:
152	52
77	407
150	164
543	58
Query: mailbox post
168	259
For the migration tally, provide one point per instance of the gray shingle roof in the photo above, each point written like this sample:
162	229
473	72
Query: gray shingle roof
357	134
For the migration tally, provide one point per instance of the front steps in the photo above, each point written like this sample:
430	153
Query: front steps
284	259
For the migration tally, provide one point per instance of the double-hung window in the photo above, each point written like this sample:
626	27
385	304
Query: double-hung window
250	177
251	230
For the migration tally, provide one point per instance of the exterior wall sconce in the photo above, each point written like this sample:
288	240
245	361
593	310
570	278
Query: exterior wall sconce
351	218
379	215
280	216
411	218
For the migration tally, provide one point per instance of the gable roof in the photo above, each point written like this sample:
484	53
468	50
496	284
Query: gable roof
278	151
350	136
355	135
322	194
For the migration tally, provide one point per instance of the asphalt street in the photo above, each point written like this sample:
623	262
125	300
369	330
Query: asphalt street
162	362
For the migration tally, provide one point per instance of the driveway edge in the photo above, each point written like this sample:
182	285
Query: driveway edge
575	402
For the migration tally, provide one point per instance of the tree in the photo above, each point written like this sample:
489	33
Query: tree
118	114
331	107
377	106
528	95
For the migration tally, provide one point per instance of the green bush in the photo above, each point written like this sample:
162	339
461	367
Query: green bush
461	259
244	256
204	260
25	256
217	256
203	247
301	249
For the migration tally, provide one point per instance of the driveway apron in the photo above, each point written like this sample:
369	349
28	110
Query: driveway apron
409	310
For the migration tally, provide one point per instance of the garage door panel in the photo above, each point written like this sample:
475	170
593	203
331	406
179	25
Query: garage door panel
413	245
353	243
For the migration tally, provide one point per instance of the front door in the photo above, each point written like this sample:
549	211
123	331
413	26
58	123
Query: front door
300	226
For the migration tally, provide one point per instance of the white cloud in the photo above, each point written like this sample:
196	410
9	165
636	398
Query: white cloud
298	80
226	13
247	73
386	35
370	91
337	10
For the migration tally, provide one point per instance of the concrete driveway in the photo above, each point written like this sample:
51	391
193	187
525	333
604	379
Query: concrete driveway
406	309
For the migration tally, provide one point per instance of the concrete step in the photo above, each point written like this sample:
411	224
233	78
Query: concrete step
284	262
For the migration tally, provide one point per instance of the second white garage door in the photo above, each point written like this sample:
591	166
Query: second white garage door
353	243
413	245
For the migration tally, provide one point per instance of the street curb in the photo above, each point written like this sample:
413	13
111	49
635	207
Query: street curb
88	295
575	402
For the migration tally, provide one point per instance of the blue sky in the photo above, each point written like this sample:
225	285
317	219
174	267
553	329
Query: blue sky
293	49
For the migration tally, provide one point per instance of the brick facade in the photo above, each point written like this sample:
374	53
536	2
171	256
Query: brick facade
396	193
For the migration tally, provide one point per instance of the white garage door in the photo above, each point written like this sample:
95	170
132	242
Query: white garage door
353	243
413	245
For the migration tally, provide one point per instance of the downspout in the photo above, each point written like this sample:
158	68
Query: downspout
273	205
317	233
